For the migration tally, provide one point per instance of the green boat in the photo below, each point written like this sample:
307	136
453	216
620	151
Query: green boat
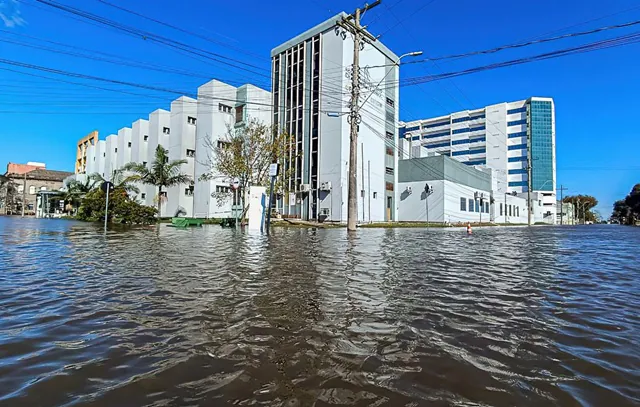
186	222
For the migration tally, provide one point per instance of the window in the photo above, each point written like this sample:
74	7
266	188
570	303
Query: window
191	153
129	144
433	125
222	144
389	135
32	190
20	188
470	204
518	171
220	188
518	184
43	188
188	191
436	135
518	134
486	207
143	196
144	163
437	145
389	151
239	114
163	194
516	159
517	211
509	210
224	108
500	209
478	162
517	122
522	109
463	204
166	130
375	195
477	205
389	171
104	154
389	186
146	137
518	147
191	120
116	150
458	142
390	102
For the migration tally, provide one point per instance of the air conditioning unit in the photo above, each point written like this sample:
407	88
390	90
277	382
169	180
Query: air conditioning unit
305	187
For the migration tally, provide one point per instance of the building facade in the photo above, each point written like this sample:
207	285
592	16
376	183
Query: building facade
81	151
504	137
311	87
29	181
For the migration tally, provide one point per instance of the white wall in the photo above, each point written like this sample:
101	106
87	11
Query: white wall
502	201
139	154
124	151
101	150
212	126
182	138
158	120
111	159
91	159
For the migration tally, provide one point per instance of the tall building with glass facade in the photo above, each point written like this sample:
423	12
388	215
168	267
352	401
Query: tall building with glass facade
504	137
311	88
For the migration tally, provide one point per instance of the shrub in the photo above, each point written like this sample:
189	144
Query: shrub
122	209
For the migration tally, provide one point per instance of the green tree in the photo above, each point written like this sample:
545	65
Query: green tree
627	211
121	180
75	191
162	173
583	205
8	194
122	209
245	153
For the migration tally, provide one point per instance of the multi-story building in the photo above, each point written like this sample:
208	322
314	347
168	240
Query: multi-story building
81	151
30	180
311	83
219	107
222	108
506	137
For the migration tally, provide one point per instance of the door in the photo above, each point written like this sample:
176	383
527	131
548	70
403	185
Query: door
389	204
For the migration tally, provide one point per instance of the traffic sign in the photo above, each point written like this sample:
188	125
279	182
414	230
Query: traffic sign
236	183
107	186
273	170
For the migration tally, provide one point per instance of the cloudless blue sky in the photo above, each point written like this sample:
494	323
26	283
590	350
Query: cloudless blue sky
596	94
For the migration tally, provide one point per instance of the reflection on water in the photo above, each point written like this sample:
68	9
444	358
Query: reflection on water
211	316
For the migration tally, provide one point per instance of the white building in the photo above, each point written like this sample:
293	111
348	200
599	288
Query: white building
311	83
503	137
222	108
182	131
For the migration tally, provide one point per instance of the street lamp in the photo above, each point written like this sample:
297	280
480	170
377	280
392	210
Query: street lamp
428	190
479	196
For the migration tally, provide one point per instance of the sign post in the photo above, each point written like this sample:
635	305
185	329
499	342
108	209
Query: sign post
106	187
428	190
273	173
235	185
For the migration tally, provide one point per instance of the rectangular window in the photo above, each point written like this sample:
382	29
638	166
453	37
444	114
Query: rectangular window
191	153
509	210
129	144
389	171
463	152
478	151
143	195
146	138
389	151
500	209
517	122
477	206
191	120
433	125
144	163
463	204
486	207
470	204
460	119
166	130
188	191
460	131
389	135
478	162
437	145
436	135
389	186
375	195
518	171
224	108
390	102
517	211
458	142
517	159
239	114
477	139
522	109
413	128
518	184
518	134
222	144
116	149
518	147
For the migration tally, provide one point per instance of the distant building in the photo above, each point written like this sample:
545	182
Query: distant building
29	180
566	216
81	152
311	83
504	137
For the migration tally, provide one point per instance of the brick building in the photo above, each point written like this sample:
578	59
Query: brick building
29	179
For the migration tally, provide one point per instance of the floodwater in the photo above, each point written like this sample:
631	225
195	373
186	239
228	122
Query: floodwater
406	317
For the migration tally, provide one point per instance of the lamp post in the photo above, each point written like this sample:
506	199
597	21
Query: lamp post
428	190
479	198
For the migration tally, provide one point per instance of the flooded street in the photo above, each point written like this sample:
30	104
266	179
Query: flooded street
405	317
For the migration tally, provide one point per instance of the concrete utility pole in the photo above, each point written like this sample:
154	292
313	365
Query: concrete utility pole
529	181
24	193
562	189
352	24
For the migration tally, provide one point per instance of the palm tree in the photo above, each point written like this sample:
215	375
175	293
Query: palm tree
161	173
120	180
75	191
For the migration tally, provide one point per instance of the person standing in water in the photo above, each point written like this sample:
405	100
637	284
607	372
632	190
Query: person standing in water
469	228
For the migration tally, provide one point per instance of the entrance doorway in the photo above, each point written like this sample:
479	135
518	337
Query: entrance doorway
389	204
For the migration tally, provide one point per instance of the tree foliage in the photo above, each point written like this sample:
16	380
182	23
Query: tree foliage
119	178
582	206
75	191
8	194
162	173
122	209
246	153
627	211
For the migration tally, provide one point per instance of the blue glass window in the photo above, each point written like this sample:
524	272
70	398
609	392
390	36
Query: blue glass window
516	159
482	127
518	184
412	138
460	119
477	162
460	131
471	204
475	140
518	134
457	142
478	151
436	135
463	204
463	152
522	109
413	128
518	147
477	117
430	126
517	122
542	149
518	171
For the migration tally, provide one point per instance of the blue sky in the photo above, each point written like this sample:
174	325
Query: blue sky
596	94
